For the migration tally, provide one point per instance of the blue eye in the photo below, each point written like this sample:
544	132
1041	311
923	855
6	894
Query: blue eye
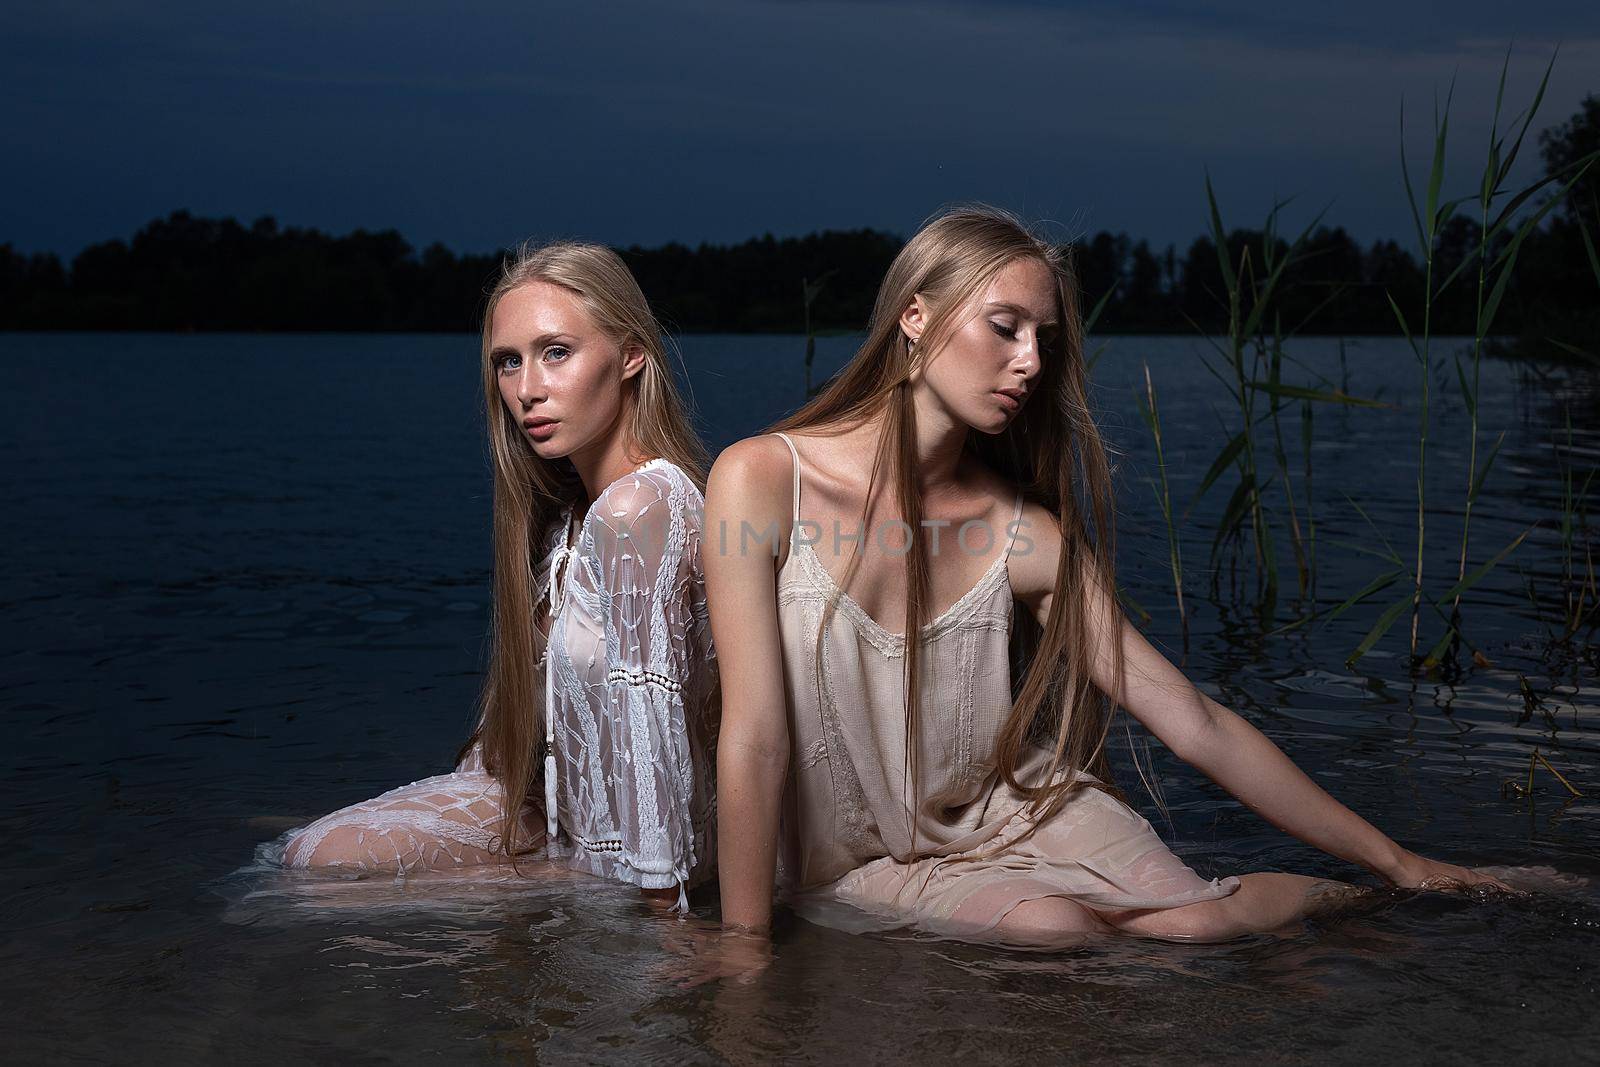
511	361
563	349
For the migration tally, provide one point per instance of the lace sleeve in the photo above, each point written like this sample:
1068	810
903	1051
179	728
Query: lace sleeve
642	560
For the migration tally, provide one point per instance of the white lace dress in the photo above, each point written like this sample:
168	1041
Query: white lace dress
630	702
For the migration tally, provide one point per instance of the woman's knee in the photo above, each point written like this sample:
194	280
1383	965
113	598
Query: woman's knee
1050	919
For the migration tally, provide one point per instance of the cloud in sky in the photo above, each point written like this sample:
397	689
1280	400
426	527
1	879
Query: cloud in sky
715	120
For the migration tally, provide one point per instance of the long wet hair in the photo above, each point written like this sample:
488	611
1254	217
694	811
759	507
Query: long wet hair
1052	450
530	491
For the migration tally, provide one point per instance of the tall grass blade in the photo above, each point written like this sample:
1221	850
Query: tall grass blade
1484	568
1377	585
1233	514
1483	472
1576	169
1588	241
1411	196
1573	350
1301	393
1224	460
1405	327
1174	550
1259	308
1466	390
1376	532
1431	660
1441	129
1094	313
1527	119
1220	239
1381	627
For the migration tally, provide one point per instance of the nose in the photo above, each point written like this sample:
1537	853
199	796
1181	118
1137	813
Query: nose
531	386
1029	360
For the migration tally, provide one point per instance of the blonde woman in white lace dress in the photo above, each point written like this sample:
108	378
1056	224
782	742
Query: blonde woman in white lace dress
604	760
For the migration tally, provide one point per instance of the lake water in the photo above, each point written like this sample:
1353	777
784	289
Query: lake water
247	583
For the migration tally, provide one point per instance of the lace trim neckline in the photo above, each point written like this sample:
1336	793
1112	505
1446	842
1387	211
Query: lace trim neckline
877	633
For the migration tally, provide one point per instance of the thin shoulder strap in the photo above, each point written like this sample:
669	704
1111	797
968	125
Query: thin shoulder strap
1016	518
794	513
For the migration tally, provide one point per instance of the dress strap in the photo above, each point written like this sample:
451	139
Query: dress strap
1011	531
794	512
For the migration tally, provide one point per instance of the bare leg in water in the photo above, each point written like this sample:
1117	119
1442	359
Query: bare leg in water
1263	903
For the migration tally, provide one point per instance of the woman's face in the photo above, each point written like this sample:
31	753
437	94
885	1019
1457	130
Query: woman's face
560	375
999	348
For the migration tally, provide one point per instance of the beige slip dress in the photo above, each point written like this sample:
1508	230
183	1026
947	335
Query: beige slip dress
847	855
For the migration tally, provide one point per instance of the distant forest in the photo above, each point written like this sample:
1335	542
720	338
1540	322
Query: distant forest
185	273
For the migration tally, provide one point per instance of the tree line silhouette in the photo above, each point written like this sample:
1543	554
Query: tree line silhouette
185	273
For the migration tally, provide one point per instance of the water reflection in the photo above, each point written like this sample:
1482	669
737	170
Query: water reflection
222	623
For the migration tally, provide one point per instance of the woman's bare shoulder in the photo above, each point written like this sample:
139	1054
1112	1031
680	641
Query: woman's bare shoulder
1034	554
758	466
751	482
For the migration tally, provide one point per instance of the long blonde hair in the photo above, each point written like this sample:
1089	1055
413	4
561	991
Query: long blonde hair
1052	450
530	491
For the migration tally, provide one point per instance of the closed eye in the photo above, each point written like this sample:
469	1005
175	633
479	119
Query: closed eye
1004	331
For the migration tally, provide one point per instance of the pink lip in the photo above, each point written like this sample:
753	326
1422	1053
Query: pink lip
540	429
1011	402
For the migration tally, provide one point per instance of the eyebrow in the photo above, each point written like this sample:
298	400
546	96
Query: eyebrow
1007	305
538	342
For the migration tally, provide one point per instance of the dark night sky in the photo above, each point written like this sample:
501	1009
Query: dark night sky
477	124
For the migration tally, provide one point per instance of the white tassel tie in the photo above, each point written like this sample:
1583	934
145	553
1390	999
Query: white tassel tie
555	596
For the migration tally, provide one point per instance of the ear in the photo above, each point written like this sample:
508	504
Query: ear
633	360
914	318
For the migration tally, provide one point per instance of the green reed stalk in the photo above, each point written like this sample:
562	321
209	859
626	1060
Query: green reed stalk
1471	394
1247	501
1311	516
1588	588
1494	274
1246	496
1435	215
1511	785
1247	337
1088	329
1577	585
1496	261
1491	288
810	290
1152	418
1280	455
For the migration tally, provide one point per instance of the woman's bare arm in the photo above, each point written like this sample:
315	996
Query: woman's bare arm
747	508
1202	732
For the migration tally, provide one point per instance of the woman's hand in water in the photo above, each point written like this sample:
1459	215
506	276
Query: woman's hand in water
1417	872
712	952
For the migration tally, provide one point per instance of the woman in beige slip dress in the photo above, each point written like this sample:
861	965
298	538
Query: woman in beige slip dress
850	820
976	803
